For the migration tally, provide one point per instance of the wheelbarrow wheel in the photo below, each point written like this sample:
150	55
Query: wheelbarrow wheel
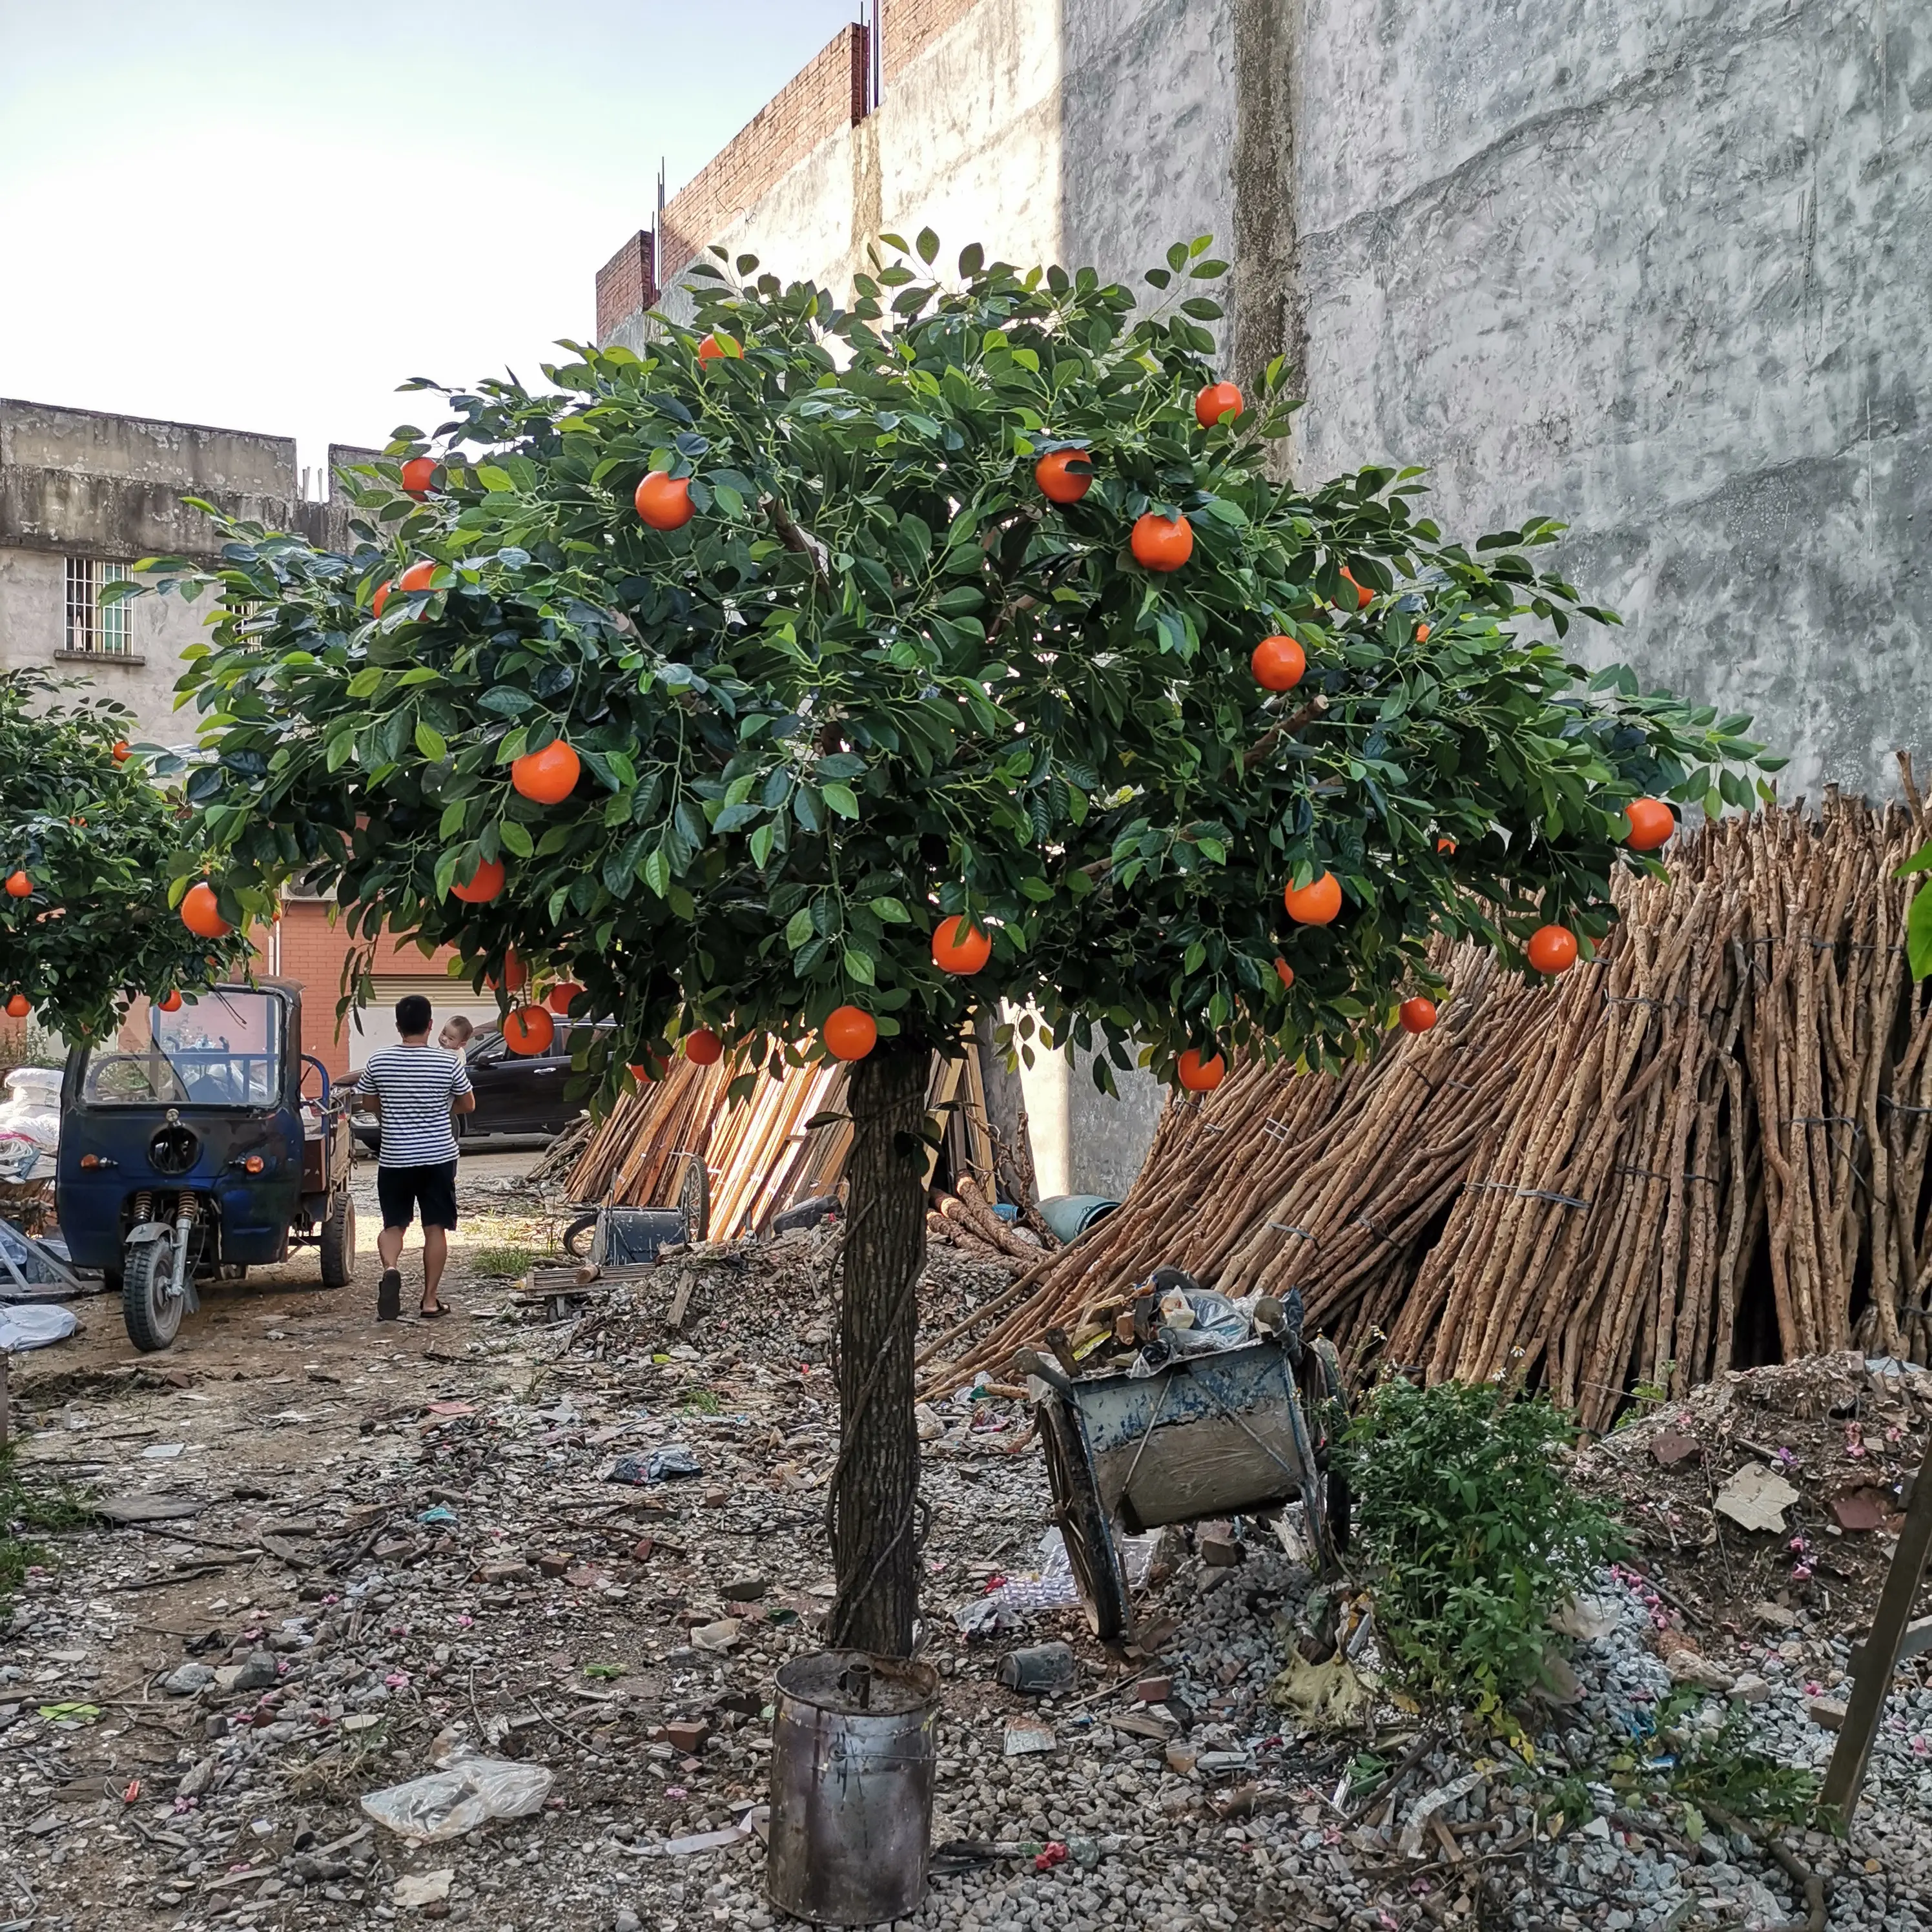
152	1312
1324	1407
1090	1548
694	1199
576	1236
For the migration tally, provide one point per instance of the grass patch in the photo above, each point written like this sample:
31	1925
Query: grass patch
700	1402
26	1506
1475	1532
509	1261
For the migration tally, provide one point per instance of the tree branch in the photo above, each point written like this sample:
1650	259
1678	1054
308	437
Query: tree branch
1259	750
794	538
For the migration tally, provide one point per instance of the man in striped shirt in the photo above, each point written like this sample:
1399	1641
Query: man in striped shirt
417	1089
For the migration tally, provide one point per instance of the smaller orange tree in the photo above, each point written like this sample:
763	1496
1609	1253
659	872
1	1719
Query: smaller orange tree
89	847
828	672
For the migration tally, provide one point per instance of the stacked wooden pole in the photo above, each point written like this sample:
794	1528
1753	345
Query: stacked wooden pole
1709	1146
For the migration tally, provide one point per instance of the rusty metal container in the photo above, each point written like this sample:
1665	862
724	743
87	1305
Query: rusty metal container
851	1794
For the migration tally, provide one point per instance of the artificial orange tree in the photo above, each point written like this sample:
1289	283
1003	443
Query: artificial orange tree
89	847
826	672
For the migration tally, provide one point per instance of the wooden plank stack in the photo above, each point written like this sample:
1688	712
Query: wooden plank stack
1707	1147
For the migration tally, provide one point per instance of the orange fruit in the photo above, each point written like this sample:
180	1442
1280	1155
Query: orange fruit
417	577
122	752
548	777
482	886
19	1006
558	998
529	1029
1422	633
850	1033
1553	948
1059	481
202	915
1278	663
1198	1075
715	346
1651	823
419	473
664	502
957	950
516	975
18	886
1162	543
171	1002
1364	596
1284	972
1214	402
1417	1015
704	1047
1315	904
642	1073
381	597
1447	846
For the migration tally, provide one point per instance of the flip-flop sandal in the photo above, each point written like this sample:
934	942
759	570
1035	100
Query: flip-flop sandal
437	1313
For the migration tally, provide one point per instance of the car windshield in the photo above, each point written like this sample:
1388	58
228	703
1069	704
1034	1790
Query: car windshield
222	1050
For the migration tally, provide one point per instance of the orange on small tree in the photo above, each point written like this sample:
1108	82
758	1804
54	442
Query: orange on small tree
877	680
100	844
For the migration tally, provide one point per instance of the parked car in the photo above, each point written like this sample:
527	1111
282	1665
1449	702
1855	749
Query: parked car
516	1093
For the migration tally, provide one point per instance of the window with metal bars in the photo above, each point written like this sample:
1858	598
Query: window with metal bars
89	626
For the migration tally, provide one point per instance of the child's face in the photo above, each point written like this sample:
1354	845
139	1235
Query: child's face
451	1039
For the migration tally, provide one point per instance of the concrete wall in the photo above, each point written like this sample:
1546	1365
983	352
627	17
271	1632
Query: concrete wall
1660	270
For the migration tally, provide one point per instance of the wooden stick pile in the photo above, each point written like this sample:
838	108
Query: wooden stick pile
1708	1148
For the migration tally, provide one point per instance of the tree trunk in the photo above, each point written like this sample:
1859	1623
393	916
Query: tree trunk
875	1487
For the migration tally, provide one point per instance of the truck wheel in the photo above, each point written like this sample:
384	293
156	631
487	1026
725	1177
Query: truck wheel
152	1313
338	1242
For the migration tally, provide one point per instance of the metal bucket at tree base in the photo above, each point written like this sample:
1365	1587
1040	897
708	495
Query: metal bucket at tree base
852	1772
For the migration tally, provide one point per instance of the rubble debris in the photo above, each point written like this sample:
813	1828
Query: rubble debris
467	1789
1755	1497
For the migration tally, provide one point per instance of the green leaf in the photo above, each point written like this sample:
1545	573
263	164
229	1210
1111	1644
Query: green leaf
928	247
842	799
892	911
515	838
1918	934
431	742
799	928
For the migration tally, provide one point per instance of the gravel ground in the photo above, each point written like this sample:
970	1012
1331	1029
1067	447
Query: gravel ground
405	1539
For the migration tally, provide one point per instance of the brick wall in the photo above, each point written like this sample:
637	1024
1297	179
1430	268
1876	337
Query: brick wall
911	26
827	93
624	284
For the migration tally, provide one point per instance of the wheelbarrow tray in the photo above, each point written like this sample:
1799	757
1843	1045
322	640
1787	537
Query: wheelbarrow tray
1205	1435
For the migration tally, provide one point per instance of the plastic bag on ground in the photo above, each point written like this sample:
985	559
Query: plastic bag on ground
467	1790
33	1324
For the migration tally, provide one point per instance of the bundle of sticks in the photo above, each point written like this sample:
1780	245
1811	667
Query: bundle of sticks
1706	1147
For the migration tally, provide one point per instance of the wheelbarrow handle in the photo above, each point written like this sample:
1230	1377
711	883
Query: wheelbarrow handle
1030	1362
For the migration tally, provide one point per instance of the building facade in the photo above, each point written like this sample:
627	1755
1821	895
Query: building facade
1655	270
85	495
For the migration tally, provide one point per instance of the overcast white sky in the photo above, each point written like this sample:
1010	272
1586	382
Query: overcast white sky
265	216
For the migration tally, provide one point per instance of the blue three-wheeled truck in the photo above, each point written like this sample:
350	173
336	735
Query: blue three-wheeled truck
197	1155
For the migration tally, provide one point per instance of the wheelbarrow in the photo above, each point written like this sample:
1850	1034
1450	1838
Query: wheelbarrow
611	1236
1246	1430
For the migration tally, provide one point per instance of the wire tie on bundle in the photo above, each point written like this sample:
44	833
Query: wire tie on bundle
1532	1193
1282	1227
1274	1129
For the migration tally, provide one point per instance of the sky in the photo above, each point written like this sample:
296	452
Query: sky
265	216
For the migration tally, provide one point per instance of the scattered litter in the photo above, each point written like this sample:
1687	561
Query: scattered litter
673	1460
1756	1498
29	1325
429	1887
1431	1802
466	1790
162	1452
1326	1696
1026	1740
1044	1669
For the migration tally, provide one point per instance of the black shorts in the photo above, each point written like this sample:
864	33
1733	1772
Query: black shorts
402	1190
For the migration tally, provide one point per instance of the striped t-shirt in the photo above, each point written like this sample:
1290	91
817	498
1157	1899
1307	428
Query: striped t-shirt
416	1083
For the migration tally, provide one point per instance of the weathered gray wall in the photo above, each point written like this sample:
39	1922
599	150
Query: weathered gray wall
1661	270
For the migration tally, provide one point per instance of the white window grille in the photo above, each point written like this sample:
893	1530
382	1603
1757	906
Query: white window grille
89	627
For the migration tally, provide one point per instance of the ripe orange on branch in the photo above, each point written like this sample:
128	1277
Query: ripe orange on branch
419	473
558	998
381	596
122	751
19	1006
1278	663
714	348
548	777
202	915
704	1047
1416	1015
1364	596
1162	543
171	1001
1553	948
18	886
1284	972
482	886
956	949
529	1029
1216	401
1651	823
1198	1075
417	577
1315	904
1059	481
664	502
850	1033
